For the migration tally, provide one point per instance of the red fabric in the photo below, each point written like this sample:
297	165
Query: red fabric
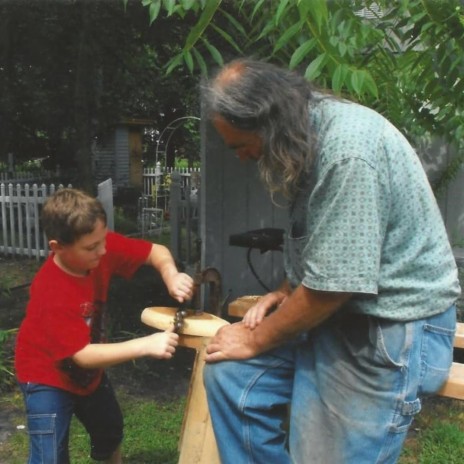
66	313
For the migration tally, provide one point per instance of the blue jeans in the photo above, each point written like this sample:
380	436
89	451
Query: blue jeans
354	385
49	411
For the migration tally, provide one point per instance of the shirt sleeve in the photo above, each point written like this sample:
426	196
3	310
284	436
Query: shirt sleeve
126	254
342	248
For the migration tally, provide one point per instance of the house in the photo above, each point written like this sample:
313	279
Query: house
118	154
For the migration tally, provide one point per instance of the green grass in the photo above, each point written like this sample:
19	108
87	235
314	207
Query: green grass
151	433
437	434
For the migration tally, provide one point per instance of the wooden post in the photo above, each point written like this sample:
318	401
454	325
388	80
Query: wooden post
197	444
174	218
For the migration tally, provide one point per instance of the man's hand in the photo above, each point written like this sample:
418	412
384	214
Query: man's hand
235	341
258	311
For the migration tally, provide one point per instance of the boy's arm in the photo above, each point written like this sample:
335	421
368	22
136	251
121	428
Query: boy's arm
179	284
160	345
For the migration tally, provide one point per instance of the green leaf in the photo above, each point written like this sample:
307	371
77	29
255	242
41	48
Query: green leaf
258	5
357	80
197	31
370	85
234	22
338	77
169	6
280	10
318	10
287	35
267	29
301	52
154	10
188	4
201	62
173	63
217	57
188	59
227	37
315	67
342	48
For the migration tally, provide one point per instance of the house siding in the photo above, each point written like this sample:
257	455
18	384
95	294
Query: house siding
235	201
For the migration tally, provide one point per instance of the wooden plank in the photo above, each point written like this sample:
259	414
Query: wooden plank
454	386
459	338
197	444
202	325
241	305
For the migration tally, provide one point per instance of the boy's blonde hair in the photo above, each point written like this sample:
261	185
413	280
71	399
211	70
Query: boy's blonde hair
69	214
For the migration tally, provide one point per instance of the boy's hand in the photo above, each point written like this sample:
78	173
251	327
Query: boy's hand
180	287
161	345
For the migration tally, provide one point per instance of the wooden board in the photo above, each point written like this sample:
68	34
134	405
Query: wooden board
241	305
200	325
197	444
454	386
459	338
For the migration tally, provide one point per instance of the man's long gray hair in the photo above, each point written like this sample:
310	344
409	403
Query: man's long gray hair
272	102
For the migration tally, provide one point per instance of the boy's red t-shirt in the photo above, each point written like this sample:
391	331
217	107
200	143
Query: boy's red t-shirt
66	313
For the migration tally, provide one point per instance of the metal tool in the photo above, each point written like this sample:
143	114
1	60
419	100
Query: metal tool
179	317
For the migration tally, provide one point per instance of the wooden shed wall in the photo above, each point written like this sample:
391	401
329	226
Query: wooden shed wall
233	201
103	156
121	156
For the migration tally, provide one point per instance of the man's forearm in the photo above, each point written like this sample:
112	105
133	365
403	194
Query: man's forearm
302	310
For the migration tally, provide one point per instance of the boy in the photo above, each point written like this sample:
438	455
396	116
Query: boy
61	346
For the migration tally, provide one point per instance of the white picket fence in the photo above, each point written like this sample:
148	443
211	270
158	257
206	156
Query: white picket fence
20	208
170	201
156	181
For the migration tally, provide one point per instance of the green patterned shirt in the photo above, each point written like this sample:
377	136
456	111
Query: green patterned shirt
366	220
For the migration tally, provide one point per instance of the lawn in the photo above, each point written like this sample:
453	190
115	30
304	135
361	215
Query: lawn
153	426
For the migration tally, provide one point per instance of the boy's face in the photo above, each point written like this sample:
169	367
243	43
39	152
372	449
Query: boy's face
84	254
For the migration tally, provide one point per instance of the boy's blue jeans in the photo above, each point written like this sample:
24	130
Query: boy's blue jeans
354	385
49	411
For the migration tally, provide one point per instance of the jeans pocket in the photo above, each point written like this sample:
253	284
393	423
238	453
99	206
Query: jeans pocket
42	438
41	423
393	342
437	356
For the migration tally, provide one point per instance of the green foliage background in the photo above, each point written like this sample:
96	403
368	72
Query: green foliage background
402	57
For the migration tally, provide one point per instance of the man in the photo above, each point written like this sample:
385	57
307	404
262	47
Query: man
364	324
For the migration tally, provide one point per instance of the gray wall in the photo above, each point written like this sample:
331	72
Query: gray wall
233	200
